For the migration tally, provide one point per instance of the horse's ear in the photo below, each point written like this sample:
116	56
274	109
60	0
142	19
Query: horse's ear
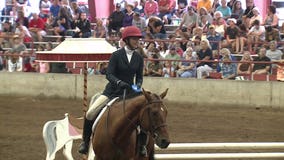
163	95
146	94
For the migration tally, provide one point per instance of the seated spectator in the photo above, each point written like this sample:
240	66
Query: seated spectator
231	3
224	9
204	24
273	53
237	10
205	53
151	8
37	28
220	26
163	48
271	19
203	12
154	67
261	68
184	40
83	27
187	69
228	69
44	8
189	20
196	44
128	16
248	12
165	10
156	28
233	35
173	55
205	4
54	9
149	48
23	33
256	16
115	19
61	23
22	19
76	10
271	34
214	38
181	9
168	70
7	32
15	63
139	22
244	67
243	37
223	52
256	35
100	29
215	5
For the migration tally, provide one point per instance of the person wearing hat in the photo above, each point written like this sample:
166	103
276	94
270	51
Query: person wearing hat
114	21
233	37
124	65
15	63
128	16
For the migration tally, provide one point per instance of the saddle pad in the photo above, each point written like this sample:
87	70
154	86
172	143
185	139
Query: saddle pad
102	112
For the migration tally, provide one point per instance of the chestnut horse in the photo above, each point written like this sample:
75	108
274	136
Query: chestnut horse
115	136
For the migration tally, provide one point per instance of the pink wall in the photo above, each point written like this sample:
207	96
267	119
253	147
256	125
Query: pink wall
262	5
100	9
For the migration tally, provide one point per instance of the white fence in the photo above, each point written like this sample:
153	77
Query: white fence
223	146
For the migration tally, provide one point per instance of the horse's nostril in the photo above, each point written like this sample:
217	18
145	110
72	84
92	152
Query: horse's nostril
164	143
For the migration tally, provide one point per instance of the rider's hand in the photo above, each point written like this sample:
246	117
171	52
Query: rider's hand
123	85
138	85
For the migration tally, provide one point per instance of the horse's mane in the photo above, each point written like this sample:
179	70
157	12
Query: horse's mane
132	95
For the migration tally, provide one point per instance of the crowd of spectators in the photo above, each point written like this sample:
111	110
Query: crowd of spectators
204	31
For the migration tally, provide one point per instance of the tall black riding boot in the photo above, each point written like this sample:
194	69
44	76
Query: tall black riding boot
87	132
142	137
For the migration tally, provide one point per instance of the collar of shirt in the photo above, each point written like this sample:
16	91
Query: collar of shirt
129	53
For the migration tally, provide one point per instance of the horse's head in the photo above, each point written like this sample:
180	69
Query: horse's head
153	118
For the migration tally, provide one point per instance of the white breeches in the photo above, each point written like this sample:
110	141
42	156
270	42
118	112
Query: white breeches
203	70
91	113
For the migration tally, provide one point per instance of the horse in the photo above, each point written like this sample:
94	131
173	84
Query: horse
115	135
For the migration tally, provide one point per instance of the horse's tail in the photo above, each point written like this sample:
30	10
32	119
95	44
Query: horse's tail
49	137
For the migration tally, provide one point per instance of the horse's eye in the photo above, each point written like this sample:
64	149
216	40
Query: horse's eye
155	113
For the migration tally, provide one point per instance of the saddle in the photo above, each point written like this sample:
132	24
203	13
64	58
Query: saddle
100	111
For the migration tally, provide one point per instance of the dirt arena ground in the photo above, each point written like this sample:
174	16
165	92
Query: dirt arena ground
22	119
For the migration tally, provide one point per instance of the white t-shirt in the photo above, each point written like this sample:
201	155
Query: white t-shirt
260	29
25	30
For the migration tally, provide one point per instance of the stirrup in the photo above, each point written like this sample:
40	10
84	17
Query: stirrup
83	148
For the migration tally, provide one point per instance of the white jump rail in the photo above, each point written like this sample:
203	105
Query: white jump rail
219	155
231	145
221	146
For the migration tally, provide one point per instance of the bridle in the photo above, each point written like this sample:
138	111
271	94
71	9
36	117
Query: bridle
152	130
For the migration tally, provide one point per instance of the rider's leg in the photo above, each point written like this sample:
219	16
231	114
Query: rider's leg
89	121
142	137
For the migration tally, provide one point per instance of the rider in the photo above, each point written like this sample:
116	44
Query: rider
124	65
